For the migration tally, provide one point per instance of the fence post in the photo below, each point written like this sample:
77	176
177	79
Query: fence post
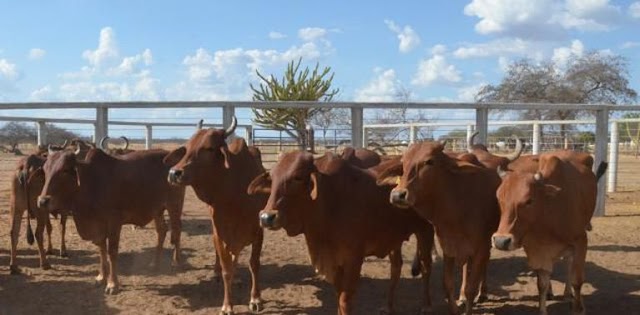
149	137
412	133
482	124
469	134
228	111
41	127
102	123
535	149
249	135
357	127
311	146
612	180
600	155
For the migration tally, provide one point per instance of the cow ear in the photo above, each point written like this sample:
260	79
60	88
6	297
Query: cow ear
225	154
314	185
260	185
551	190
174	156
390	176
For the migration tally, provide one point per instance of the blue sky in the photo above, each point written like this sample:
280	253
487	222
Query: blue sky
208	50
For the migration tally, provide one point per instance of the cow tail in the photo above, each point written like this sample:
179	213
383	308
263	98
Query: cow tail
416	264
602	168
30	238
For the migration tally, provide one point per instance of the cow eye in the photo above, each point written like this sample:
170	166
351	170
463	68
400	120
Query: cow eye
427	162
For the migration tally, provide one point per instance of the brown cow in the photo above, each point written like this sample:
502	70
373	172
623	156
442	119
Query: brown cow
344	217
220	174
458	198
104	192
547	213
26	184
361	158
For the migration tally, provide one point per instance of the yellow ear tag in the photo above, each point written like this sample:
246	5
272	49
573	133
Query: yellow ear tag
397	180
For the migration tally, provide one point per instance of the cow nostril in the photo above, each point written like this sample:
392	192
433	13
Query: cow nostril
267	219
175	175
399	196
43	201
502	242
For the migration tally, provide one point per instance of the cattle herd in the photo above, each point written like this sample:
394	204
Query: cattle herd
348	206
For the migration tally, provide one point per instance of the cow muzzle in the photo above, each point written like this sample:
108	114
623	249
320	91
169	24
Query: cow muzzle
503	242
175	176
270	219
400	198
44	201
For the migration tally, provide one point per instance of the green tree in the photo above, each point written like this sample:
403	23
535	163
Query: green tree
589	79
505	132
295	85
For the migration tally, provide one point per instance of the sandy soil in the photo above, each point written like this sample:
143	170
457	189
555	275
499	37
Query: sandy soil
288	282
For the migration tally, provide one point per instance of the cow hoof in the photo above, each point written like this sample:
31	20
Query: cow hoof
255	306
461	303
384	311
111	289
482	298
45	266
426	310
99	280
15	270
226	311
550	296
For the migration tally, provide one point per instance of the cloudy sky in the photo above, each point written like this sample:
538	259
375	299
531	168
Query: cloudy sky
65	50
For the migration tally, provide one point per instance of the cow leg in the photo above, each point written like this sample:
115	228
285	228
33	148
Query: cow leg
113	242
349	279
476	270
41	221
161	231
577	279
102	268
255	304
63	232
48	228
395	257
568	295
462	300
544	281
175	220
425	244
227	260
217	269
449	283
16	221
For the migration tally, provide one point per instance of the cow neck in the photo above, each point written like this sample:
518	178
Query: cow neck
91	173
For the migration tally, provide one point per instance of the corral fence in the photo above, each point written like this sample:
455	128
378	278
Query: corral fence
101	123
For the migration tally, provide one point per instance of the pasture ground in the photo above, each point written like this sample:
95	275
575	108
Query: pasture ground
288	282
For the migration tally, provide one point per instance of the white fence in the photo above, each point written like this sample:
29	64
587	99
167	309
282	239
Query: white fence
101	122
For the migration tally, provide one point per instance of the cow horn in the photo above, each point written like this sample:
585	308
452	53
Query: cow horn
50	149
443	143
199	125
537	176
232	128
65	143
518	150
470	141
501	172
103	142
77	151
126	142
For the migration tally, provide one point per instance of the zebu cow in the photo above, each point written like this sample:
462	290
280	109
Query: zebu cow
344	217
547	213
104	192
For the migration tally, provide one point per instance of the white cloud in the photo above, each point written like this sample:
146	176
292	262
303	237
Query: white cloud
226	74
562	55
436	70
42	94
310	34
36	53
634	10
8	71
438	49
542	19
276	35
382	88
629	44
107	49
409	39
468	93
495	48
130	65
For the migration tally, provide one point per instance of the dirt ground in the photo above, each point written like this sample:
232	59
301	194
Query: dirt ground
288	282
